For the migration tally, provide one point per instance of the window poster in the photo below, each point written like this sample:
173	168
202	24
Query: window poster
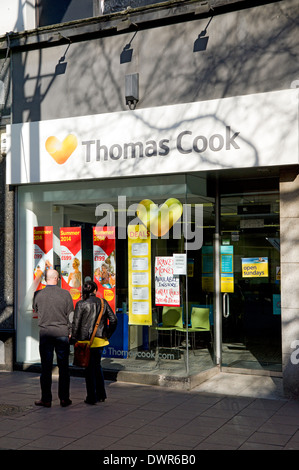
71	261
104	263
276	304
227	268
167	285
207	279
139	266
42	254
255	267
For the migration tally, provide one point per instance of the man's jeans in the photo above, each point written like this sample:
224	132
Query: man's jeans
47	346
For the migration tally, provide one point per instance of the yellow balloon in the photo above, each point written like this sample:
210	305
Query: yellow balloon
159	220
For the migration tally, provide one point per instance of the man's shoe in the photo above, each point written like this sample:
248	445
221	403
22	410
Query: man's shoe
46	404
65	403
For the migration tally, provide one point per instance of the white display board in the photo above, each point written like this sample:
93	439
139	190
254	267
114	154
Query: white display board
237	132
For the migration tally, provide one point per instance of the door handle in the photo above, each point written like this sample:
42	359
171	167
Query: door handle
225	301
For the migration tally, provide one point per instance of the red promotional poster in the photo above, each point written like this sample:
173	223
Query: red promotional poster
104	262
71	261
42	253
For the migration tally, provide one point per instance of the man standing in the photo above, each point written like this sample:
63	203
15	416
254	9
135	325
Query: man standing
54	306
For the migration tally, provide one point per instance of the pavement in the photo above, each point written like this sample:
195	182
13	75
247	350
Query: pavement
228	412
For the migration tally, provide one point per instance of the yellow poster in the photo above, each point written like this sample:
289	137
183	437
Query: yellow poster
139	279
227	283
255	267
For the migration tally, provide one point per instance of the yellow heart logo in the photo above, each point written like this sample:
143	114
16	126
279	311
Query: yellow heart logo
159	220
61	151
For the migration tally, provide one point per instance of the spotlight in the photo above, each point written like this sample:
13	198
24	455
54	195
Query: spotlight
132	90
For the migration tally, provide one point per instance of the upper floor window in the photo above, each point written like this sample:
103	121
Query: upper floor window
62	11
50	12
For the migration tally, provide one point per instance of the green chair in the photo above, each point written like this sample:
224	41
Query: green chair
172	319
199	322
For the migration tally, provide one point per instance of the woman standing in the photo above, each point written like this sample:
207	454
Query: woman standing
85	317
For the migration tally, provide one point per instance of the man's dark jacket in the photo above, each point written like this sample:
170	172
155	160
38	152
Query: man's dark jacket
54	307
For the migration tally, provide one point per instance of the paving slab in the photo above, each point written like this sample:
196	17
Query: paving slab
228	412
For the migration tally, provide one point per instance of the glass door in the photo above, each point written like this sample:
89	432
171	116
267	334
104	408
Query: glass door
251	322
199	340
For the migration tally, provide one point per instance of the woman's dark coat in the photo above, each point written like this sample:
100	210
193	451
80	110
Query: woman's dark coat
85	317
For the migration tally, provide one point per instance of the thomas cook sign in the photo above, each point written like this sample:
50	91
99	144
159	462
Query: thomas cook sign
238	132
184	143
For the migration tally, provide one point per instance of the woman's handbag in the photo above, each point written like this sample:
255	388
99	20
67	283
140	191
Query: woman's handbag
82	350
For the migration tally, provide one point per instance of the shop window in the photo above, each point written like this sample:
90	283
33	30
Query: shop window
137	344
112	6
61	11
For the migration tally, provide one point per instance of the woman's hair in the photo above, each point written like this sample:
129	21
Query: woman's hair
76	262
88	288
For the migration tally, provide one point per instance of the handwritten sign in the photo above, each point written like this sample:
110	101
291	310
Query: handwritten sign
167	286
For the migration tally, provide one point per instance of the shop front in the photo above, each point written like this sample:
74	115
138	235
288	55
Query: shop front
175	213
